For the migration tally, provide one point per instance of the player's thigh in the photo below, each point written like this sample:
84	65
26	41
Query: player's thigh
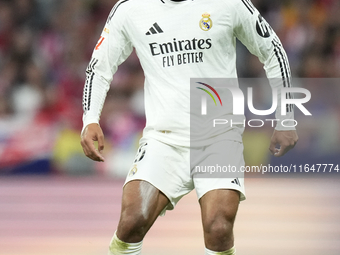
226	160
218	209
141	205
141	197
165	167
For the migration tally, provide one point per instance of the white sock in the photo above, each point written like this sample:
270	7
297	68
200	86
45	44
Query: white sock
231	251
118	247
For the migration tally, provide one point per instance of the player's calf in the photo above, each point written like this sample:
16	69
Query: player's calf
141	205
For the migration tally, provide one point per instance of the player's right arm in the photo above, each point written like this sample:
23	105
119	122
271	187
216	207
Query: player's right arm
91	133
112	49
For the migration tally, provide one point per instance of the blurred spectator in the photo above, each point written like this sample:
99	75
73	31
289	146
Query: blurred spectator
45	46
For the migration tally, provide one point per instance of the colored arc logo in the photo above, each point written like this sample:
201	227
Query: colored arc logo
209	92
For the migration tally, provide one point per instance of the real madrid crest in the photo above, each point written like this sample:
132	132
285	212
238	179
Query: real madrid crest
133	171
206	22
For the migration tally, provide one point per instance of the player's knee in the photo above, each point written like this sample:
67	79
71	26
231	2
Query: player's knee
132	228
219	226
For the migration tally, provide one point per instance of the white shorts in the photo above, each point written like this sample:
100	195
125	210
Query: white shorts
167	168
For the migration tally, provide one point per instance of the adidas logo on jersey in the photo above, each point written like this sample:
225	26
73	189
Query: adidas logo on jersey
155	29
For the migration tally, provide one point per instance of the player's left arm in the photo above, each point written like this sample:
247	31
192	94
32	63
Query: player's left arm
261	40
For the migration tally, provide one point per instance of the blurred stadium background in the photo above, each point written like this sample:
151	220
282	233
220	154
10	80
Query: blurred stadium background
53	200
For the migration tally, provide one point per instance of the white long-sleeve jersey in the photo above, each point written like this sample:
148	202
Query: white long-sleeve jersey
176	41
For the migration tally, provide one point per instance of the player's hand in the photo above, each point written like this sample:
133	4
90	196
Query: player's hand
91	133
285	139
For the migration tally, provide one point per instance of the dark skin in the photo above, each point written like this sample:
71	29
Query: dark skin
285	139
93	133
218	207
